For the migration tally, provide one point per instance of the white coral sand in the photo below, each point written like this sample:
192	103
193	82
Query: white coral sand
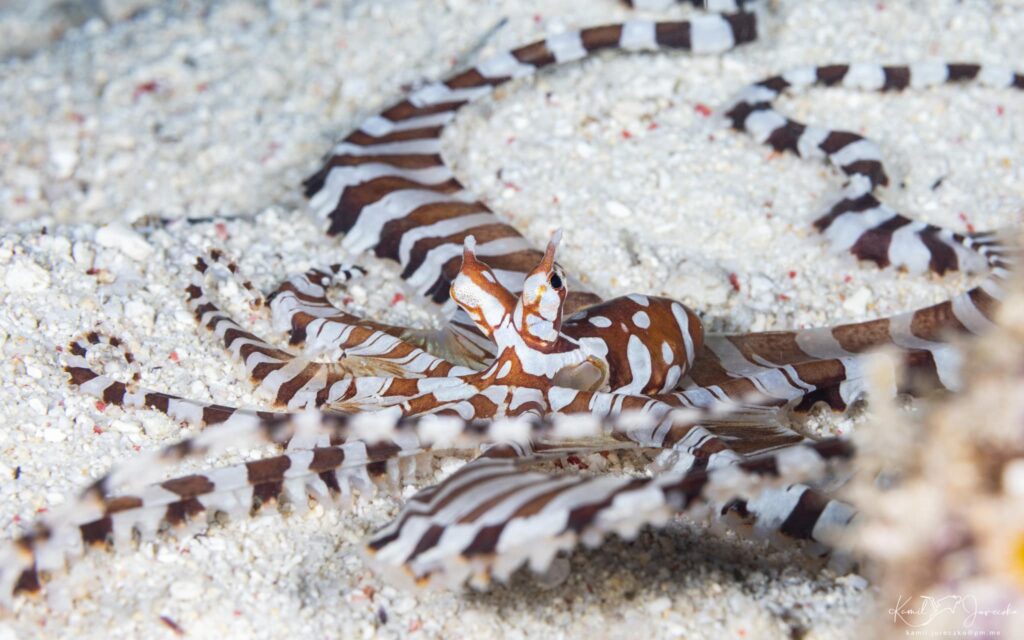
218	110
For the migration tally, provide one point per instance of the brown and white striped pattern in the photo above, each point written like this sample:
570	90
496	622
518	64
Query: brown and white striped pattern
387	188
327	457
130	395
825	364
494	514
369	356
725	451
323	461
722	6
860	222
105	511
300	306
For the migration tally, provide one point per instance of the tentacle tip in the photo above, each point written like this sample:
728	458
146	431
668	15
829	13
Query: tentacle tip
549	254
469	245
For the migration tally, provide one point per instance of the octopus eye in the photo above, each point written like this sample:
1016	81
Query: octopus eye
556	281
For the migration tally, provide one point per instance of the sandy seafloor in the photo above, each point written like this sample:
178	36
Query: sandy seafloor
200	110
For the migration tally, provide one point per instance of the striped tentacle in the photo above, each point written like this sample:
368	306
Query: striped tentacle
648	421
256	299
719	6
458	342
224	426
319	463
724	6
362	393
47	545
328	456
779	513
185	505
787	514
765	378
726	427
295	381
302	300
826	364
300	305
493	515
130	395
860	222
388	189
718	442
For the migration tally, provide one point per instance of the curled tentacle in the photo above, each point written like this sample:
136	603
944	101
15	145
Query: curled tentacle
860	222
387	188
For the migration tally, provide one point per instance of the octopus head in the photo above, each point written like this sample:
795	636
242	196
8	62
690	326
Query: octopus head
476	289
538	316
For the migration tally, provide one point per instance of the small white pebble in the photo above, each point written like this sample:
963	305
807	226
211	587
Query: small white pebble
63	158
122	426
186	590
618	209
167	555
858	302
358	293
118	236
83	254
140	313
26	276
403	605
156	426
54	435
